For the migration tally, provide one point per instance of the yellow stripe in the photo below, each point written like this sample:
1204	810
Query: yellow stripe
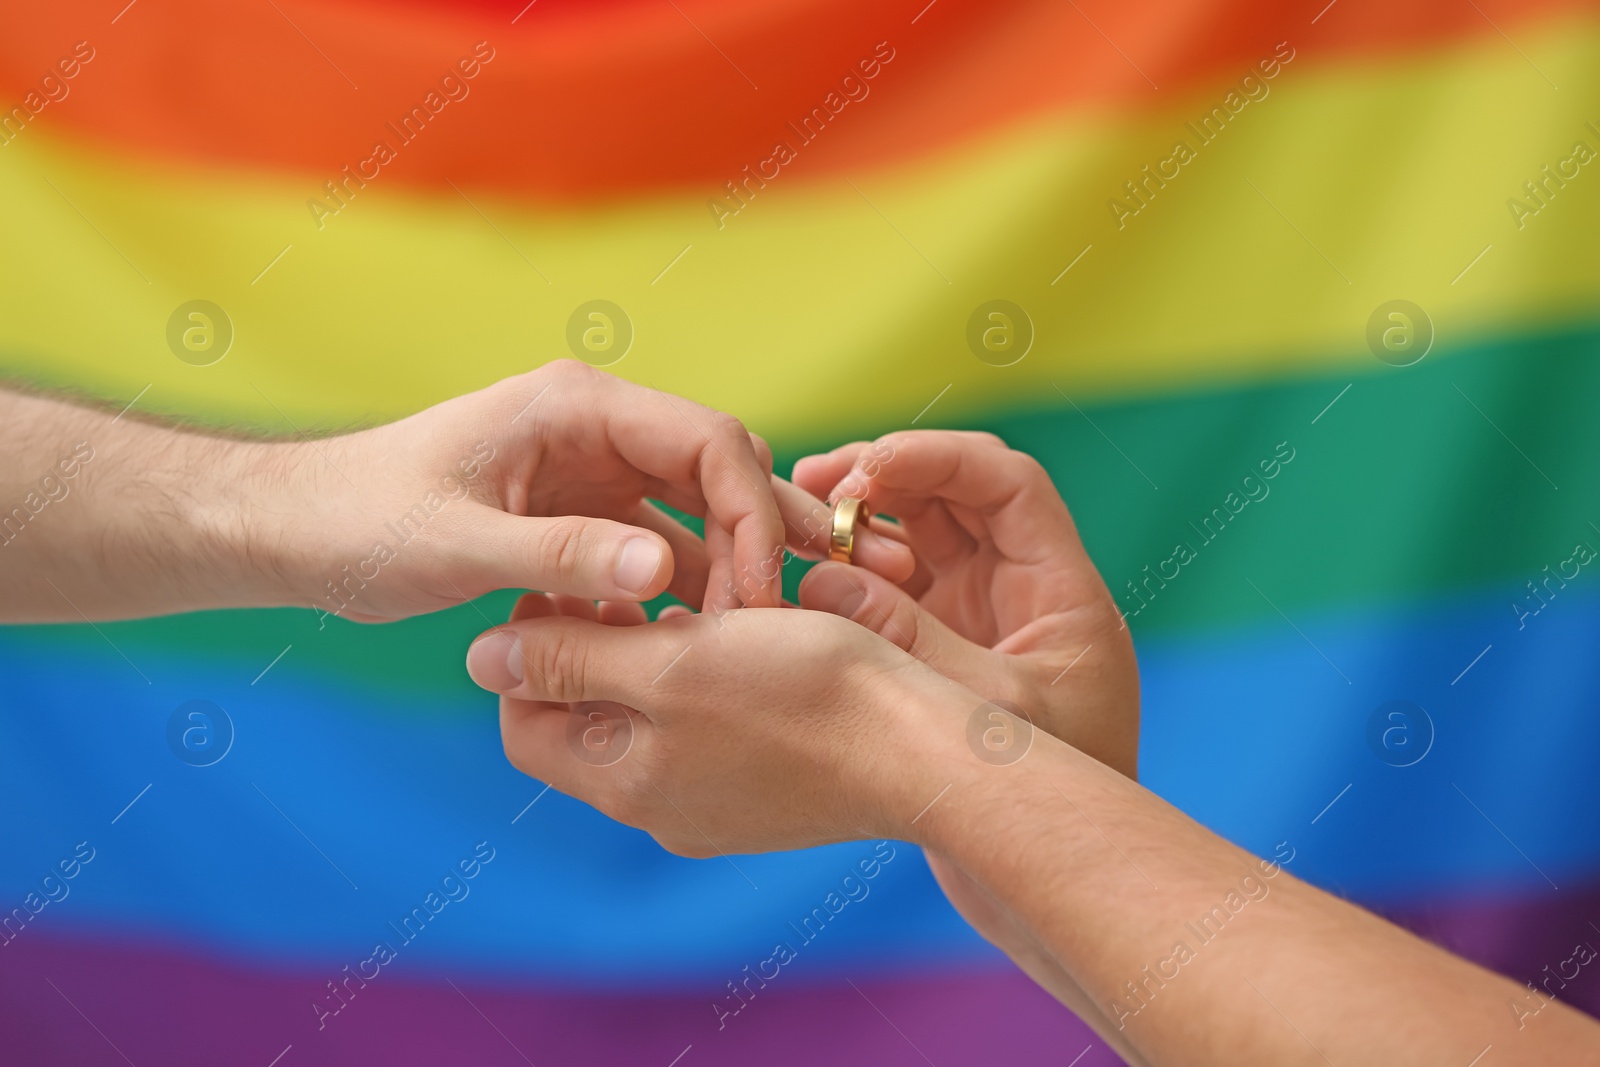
828	307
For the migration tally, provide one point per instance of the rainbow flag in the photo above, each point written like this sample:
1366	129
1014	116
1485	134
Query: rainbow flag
1167	248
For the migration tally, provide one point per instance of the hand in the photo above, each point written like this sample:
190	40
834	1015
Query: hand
758	730
544	481
1004	599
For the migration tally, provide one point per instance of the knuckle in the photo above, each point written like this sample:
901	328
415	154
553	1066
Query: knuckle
1025	470
568	369
1029	466
557	658
567	374
729	427
561	549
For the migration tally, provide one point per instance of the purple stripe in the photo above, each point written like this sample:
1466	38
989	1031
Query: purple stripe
70	1001
159	1006
1535	939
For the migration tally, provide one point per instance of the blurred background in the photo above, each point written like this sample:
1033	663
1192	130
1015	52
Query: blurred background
1154	245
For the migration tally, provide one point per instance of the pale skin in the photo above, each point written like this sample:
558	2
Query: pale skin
766	729
541	481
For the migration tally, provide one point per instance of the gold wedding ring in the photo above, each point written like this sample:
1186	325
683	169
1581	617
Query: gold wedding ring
847	515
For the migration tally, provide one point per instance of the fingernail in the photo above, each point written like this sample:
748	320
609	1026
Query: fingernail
850	603
638	563
898	548
495	661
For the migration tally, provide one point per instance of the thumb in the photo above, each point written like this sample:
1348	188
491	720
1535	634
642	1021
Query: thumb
592	558
888	611
566	660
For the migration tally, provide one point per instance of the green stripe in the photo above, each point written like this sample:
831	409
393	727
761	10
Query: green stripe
1401	491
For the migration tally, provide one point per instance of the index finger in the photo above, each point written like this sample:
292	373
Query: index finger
975	476
710	455
810	530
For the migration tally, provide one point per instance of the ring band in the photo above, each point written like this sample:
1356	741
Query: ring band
847	516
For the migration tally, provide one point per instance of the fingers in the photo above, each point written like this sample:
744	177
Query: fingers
564	659
820	474
763	451
940	540
618	613
537	739
576	607
846	470
952	481
697	459
809	524
592	558
974	470
886	610
538	734
532	606
694	448
610	612
724	588
690	565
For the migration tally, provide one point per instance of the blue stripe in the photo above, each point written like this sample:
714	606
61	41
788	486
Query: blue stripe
1254	731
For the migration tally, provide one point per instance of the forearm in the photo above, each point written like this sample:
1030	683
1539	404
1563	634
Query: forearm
104	517
1200	953
991	918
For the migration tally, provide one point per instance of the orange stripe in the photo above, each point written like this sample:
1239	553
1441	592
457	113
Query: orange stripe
585	103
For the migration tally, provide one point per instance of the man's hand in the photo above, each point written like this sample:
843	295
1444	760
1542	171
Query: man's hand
1004	599
753	731
540	481
769	729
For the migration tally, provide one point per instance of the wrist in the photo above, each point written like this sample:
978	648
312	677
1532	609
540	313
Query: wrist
923	759
239	526
966	772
